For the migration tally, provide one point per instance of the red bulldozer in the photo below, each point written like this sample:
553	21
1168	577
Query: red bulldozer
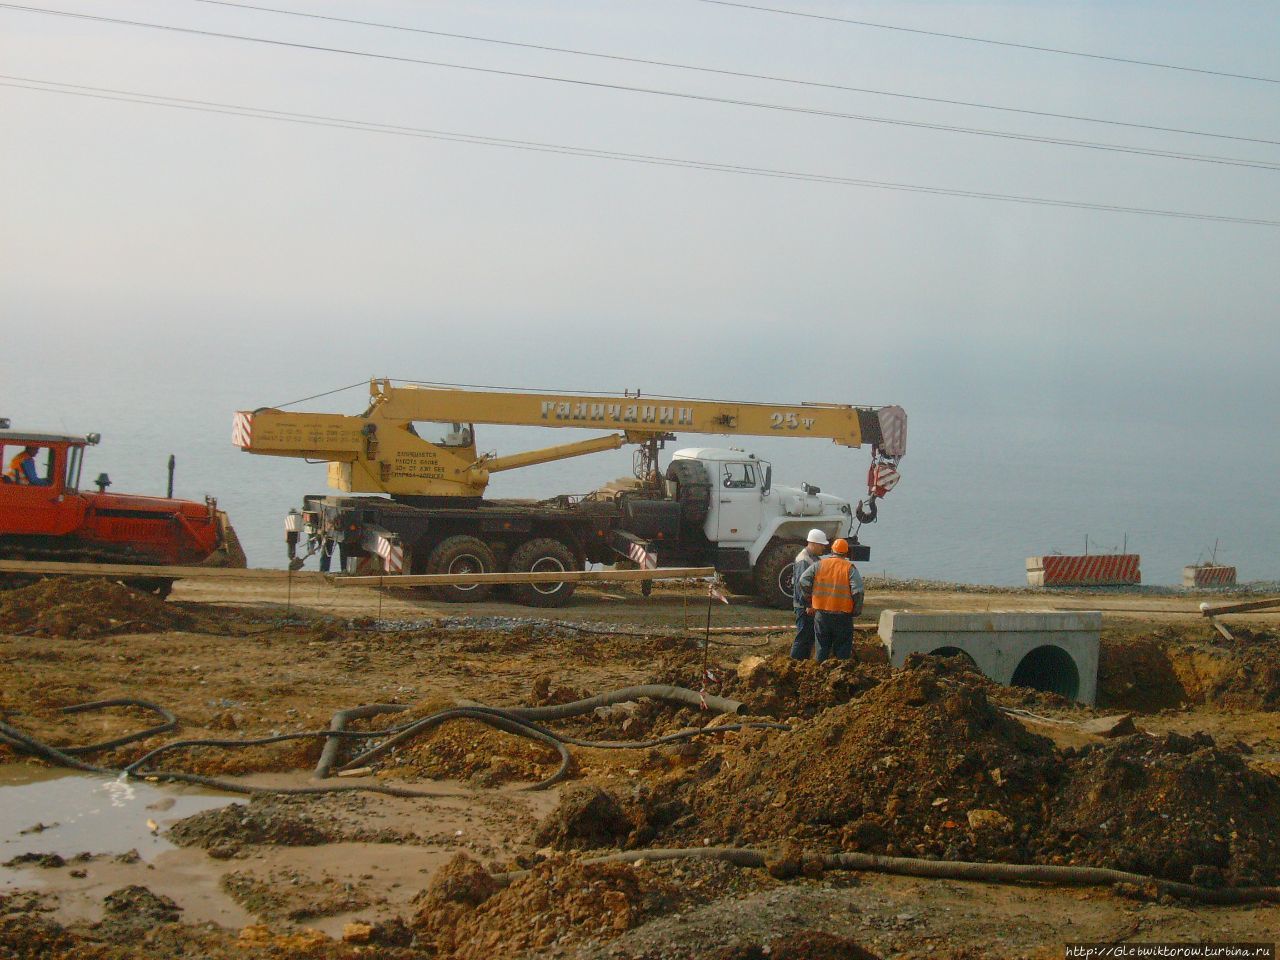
46	516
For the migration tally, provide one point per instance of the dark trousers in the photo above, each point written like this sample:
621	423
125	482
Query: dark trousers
834	633
802	648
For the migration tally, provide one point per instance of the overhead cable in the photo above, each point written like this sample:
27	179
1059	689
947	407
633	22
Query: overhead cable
988	40
204	106
653	91
738	74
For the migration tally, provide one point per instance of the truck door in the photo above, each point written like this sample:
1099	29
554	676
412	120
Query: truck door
738	516
35	507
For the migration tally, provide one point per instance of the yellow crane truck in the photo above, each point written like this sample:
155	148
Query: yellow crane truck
426	513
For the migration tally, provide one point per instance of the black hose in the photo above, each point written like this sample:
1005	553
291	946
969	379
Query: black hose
338	725
634	744
252	742
490	716
516	720
170	723
950	870
654	691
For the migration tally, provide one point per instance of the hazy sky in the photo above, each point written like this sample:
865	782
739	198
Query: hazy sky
165	267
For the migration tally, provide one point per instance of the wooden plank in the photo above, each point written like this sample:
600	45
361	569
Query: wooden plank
567	576
123	570
1214	610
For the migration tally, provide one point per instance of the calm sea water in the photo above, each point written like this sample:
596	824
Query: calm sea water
979	494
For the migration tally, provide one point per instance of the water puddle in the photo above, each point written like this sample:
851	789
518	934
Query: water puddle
57	812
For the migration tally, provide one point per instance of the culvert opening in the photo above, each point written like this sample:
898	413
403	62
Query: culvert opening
954	652
1050	669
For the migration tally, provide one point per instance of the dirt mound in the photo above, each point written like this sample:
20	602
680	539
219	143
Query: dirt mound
1177	807
898	771
263	820
132	911
781	687
474	752
925	765
804	945
1173	667
85	608
560	902
585	818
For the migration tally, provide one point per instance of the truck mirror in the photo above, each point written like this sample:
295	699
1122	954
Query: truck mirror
768	479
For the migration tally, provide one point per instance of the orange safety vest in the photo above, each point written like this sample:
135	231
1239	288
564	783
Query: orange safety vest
831	586
16	473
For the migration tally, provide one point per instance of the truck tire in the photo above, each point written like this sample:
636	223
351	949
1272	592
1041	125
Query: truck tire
743	584
461	554
773	573
542	555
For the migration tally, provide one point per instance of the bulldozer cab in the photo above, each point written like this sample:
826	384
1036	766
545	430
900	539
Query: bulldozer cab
39	470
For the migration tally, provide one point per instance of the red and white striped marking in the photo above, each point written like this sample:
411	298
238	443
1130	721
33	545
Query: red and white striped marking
1117	569
893	431
882	478
392	555
645	559
242	430
1209	575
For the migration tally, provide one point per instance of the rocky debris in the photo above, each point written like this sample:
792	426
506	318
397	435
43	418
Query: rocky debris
49	861
893	772
140	904
132	912
281	821
1173	806
561	902
1110	727
74	607
780	687
804	945
24	936
586	818
924	764
467	750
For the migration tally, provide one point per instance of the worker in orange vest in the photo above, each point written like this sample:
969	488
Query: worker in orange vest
22	468
833	590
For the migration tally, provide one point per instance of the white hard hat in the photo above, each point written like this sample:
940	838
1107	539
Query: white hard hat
817	536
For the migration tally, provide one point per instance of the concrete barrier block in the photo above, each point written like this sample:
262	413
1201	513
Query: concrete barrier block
1056	570
1050	650
1208	575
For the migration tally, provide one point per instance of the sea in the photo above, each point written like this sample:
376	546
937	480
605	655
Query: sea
978	494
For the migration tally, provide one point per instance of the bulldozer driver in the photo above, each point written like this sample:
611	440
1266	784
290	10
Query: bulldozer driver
23	469
833	591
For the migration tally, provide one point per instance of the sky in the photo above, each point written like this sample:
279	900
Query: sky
163	268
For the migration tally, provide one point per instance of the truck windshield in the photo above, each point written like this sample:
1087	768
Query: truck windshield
739	476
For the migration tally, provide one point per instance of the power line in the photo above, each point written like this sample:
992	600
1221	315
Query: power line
988	40
739	74
653	91
345	123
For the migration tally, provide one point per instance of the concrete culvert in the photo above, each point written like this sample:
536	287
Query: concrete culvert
1050	669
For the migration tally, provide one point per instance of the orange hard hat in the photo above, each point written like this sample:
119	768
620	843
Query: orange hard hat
840	546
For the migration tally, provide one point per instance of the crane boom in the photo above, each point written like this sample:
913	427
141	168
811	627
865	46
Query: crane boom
380	451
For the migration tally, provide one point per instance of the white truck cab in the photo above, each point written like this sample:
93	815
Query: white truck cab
746	512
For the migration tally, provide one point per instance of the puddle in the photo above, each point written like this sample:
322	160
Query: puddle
85	813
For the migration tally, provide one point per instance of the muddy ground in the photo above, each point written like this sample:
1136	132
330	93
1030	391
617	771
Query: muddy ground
926	762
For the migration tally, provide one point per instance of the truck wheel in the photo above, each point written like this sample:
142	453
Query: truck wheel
773	574
542	555
458	555
740	583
